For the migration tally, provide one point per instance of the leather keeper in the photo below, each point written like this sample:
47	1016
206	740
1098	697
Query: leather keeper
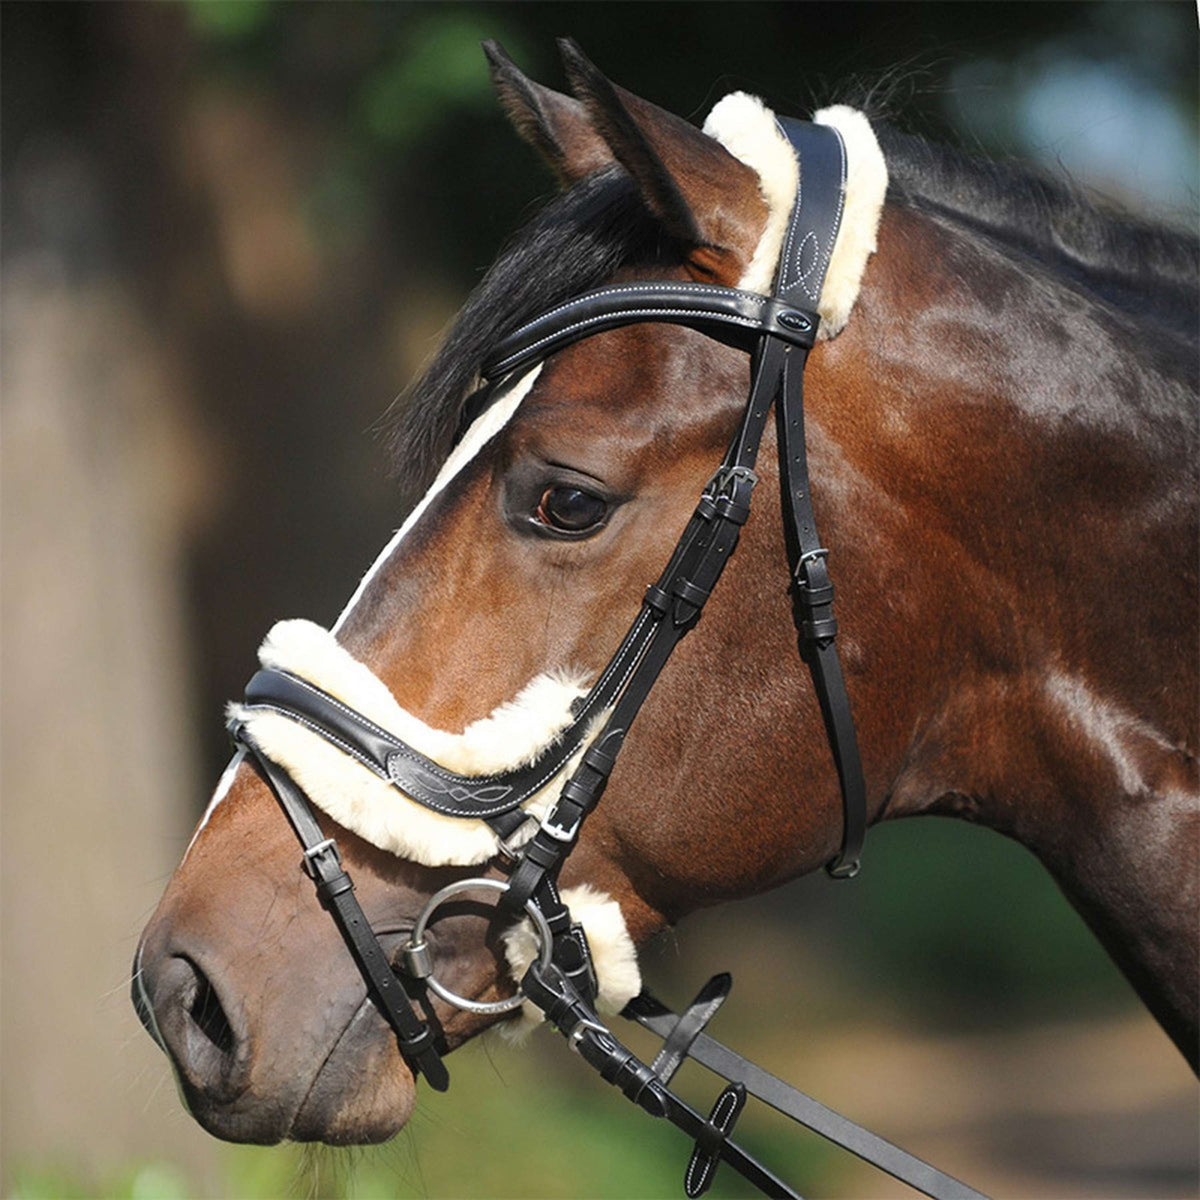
558	920
821	630
814	597
418	1043
733	509
601	760
581	795
690	593
568	957
329	889
657	599
542	851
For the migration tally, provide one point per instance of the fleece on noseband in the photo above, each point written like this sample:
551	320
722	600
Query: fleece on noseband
512	735
613	954
747	129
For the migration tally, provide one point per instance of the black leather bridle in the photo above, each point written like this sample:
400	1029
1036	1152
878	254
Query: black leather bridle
778	331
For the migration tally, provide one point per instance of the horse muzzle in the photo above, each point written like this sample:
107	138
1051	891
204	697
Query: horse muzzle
337	1078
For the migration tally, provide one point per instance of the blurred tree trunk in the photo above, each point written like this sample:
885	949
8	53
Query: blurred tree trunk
103	482
172	342
99	768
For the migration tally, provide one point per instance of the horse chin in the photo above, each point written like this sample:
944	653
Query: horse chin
363	1093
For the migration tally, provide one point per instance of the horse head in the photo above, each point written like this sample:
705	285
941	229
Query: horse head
551	495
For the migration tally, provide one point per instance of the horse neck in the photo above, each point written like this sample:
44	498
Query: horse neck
1006	474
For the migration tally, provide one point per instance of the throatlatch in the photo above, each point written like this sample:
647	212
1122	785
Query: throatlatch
778	331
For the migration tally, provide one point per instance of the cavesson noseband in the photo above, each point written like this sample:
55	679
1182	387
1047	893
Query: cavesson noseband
778	331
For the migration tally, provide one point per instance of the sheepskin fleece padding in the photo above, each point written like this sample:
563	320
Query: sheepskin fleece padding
614	956
748	130
866	187
512	735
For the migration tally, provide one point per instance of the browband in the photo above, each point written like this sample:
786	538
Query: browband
729	315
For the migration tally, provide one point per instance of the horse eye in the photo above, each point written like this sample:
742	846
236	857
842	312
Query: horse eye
570	509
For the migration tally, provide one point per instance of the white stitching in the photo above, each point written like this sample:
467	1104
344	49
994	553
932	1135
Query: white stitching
802	277
698	289
726	1103
796	203
823	258
517	355
400	746
841	201
320	732
350	712
502	806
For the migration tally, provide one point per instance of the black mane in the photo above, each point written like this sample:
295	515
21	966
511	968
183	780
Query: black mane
1146	270
577	242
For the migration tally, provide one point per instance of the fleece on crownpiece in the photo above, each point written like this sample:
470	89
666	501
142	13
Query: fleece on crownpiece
748	130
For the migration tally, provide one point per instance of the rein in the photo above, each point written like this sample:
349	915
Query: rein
778	331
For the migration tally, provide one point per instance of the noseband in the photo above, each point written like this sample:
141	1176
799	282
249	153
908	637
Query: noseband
777	331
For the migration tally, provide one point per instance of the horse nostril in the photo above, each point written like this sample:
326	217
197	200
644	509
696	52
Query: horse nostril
197	1031
206	1011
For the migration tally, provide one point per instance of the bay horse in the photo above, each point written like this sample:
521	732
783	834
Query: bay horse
1002	432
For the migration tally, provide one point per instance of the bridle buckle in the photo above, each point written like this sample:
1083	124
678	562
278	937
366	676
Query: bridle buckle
309	861
557	832
807	557
727	494
735	482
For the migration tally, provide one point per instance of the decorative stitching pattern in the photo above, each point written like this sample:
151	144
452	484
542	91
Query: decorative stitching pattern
488	809
802	273
497	808
821	262
451	782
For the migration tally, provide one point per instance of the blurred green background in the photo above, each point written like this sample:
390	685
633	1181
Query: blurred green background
232	232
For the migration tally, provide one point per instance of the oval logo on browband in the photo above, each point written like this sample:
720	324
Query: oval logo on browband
794	320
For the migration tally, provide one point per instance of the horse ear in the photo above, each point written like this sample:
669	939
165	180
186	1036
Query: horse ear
702	194
556	126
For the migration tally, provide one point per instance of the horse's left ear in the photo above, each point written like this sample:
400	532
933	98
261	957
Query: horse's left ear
702	195
556	126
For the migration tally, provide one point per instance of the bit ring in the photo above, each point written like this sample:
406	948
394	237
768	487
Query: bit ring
417	952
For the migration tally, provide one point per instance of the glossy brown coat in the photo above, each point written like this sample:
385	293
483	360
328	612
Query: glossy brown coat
1007	480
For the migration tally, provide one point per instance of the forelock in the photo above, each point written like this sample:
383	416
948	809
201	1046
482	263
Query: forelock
578	241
